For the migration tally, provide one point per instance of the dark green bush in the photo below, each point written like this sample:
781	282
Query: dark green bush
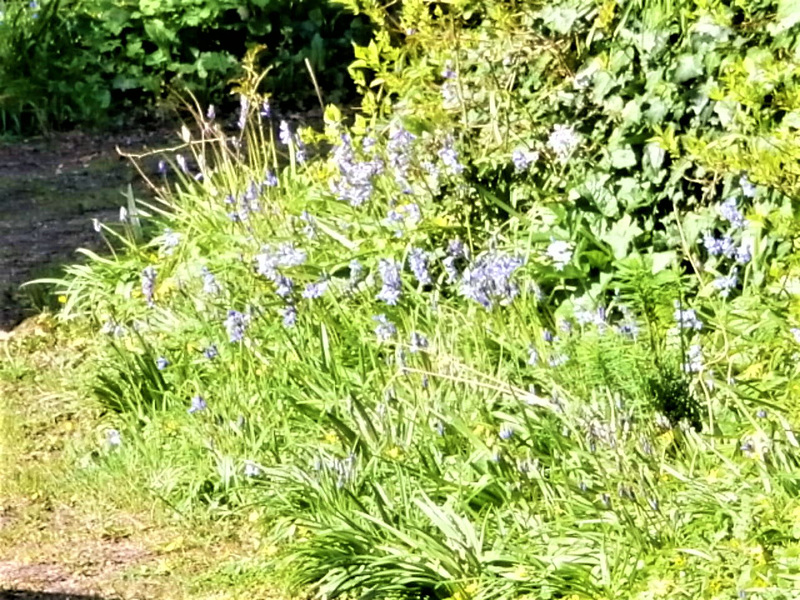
73	61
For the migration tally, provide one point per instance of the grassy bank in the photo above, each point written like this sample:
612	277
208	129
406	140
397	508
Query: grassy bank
525	327
71	520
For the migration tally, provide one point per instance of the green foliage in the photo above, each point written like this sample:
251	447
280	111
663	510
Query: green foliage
77	61
521	333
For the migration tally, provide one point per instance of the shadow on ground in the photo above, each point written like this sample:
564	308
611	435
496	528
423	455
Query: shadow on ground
30	595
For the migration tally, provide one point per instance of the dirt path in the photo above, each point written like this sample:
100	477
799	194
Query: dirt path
50	190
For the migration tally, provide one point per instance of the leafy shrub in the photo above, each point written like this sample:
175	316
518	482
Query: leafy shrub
445	366
68	61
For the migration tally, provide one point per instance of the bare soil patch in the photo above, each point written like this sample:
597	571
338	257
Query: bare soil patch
50	190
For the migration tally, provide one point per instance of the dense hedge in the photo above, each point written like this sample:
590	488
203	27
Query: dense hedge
73	61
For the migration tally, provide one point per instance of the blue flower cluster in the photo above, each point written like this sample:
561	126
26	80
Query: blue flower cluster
489	279
354	184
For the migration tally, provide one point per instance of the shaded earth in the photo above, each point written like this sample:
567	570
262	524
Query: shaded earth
50	190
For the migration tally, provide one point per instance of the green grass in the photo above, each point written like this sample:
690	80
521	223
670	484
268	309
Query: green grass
456	469
410	368
65	502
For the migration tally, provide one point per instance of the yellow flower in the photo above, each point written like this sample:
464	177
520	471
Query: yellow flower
519	573
678	561
331	437
666	438
62	299
165	290
715	585
394	453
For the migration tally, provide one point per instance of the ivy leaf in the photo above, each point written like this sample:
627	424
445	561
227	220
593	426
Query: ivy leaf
788	16
623	158
688	67
620	236
560	19
662	260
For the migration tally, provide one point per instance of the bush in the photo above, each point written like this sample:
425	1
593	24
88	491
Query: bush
525	331
74	61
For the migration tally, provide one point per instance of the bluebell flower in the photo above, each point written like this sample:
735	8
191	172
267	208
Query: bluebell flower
439	426
211	352
148	283
489	279
210	285
315	290
97	225
748	188
162	167
123	214
447	71
161	363
418	342
449	157
547	335
236	323
355	182
506	432
629	328
694	359
171	241
284	286
686	318
563	141
558	360
795	333
391	286
356	272
728	247
584	316
368	144
289	314
449	92
198	404
385	329
252	192
533	356
726	283
270	179
251	469
713	245
211	113
743	254
560	252
271	258
456	251
418	263
731	213
398	150
113	438
266	110
300	154
523	159
284	133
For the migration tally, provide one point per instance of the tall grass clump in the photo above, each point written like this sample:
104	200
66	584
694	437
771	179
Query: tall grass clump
492	338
